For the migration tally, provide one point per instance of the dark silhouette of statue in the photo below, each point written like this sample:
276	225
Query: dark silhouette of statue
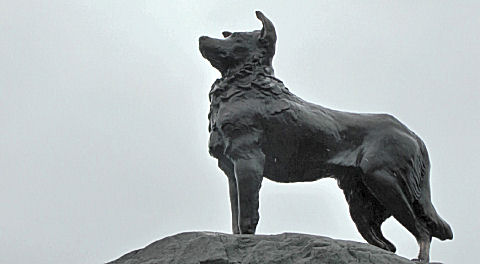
258	128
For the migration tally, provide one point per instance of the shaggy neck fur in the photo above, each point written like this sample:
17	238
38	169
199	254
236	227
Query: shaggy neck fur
257	63
254	74
254	79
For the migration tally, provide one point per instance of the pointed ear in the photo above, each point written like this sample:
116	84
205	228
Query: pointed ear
226	34
268	33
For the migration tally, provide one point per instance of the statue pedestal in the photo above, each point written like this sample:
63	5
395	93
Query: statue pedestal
210	247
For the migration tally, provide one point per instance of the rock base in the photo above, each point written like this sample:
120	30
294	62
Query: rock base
219	248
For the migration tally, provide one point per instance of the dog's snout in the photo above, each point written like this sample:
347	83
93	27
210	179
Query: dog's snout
202	38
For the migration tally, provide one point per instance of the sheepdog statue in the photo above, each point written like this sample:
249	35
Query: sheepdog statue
258	128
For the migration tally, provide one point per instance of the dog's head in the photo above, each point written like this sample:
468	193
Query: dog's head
238	48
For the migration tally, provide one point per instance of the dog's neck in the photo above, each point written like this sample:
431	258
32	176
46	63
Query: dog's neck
253	66
241	77
251	76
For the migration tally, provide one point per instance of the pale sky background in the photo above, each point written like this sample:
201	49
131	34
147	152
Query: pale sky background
103	117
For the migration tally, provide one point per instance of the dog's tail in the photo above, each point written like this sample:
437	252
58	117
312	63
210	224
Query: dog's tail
438	227
441	229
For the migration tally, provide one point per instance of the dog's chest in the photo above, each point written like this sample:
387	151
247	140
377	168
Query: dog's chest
235	105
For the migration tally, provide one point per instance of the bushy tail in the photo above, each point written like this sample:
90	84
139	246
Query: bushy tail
441	229
438	227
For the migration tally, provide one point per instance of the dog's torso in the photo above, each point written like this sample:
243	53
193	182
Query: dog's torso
301	141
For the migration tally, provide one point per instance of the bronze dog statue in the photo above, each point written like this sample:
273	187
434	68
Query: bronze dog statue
258	128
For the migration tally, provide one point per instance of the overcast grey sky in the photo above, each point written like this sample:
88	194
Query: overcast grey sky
103	117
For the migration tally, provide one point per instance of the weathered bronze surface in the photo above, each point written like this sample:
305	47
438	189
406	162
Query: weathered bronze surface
258	128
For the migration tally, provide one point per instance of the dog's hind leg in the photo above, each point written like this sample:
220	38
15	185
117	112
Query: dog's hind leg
424	244
368	215
387	189
227	167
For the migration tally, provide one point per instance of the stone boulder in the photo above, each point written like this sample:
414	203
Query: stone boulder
219	248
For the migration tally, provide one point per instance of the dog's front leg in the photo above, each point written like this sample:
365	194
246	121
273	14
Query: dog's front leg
232	185
227	167
249	175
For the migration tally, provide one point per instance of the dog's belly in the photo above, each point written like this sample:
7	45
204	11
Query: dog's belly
290	158
285	172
